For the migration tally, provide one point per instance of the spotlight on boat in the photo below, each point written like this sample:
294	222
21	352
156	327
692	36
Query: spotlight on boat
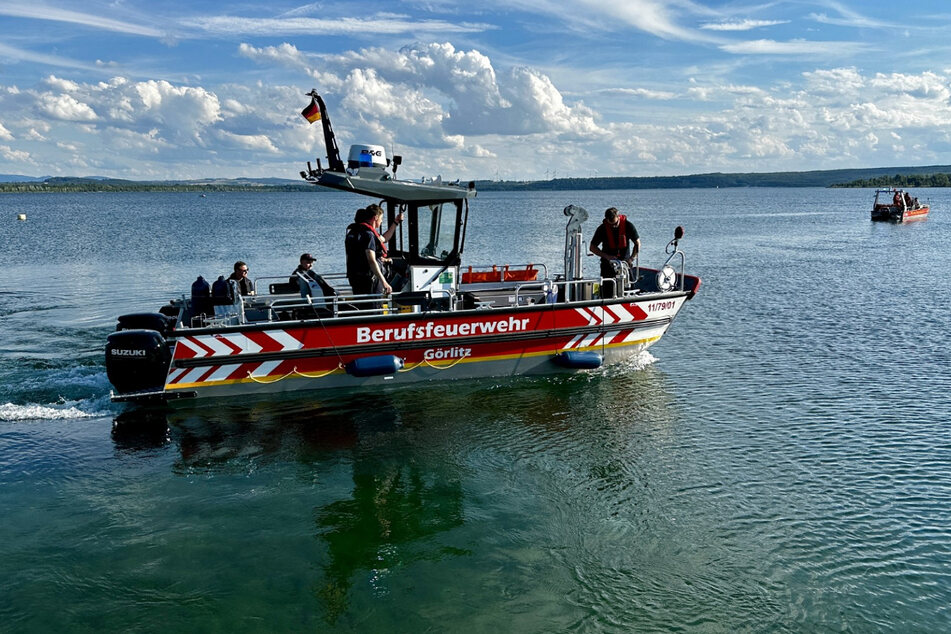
678	232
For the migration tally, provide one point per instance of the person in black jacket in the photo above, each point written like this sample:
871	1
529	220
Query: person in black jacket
304	275
615	239
240	275
367	251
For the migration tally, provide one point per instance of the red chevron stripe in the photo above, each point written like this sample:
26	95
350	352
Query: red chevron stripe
267	343
235	349
195	342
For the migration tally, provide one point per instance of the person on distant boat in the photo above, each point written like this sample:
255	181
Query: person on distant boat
240	275
896	199
908	201
615	239
304	275
367	253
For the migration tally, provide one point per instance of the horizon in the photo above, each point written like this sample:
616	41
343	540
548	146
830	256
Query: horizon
524	90
930	169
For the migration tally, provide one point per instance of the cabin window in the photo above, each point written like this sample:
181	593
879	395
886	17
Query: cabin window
437	230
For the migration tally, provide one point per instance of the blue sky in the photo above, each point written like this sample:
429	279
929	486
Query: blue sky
514	89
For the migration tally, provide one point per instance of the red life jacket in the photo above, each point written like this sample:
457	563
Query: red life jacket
378	237
616	238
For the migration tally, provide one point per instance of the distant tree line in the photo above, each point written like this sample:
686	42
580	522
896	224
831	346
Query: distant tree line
128	186
818	178
902	181
928	176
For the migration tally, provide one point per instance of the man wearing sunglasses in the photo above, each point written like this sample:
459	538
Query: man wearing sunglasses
240	275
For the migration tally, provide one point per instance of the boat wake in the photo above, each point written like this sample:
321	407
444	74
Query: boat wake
57	411
56	393
641	361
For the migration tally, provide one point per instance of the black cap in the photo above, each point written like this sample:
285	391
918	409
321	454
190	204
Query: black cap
307	257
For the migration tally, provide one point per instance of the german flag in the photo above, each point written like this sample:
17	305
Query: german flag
311	112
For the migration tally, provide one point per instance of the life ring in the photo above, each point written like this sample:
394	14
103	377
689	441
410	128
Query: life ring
666	278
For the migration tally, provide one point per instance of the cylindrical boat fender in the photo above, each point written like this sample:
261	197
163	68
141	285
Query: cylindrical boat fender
375	366
579	359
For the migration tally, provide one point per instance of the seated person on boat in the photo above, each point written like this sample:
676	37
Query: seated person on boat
304	276
240	276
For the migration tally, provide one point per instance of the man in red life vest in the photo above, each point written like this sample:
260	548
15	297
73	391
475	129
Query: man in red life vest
367	253
616	237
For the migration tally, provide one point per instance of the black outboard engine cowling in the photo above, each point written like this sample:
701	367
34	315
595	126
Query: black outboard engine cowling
137	360
162	324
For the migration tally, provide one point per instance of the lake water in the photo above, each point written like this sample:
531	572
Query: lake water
780	461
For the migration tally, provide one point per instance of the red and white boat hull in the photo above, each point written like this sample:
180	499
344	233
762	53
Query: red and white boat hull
450	345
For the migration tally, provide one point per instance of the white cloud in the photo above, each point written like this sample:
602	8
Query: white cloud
447	108
795	47
66	108
835	80
265	27
851	19
394	112
257	142
659	18
646	93
284	55
16	156
40	11
741	25
454	93
927	85
64	85
19	54
179	108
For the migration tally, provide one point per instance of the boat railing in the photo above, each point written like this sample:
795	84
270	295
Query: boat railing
348	306
545	287
587	289
575	290
674	252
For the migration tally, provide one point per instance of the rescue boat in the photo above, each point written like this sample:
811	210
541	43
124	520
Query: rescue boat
897	205
448	321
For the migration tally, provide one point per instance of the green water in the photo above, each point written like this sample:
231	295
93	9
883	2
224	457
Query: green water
778	462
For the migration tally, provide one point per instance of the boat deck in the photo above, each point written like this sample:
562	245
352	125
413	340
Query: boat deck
284	302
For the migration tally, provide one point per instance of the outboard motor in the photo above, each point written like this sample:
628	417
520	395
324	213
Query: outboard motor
137	360
162	324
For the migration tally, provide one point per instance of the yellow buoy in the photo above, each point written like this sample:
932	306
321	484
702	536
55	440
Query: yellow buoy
21	216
